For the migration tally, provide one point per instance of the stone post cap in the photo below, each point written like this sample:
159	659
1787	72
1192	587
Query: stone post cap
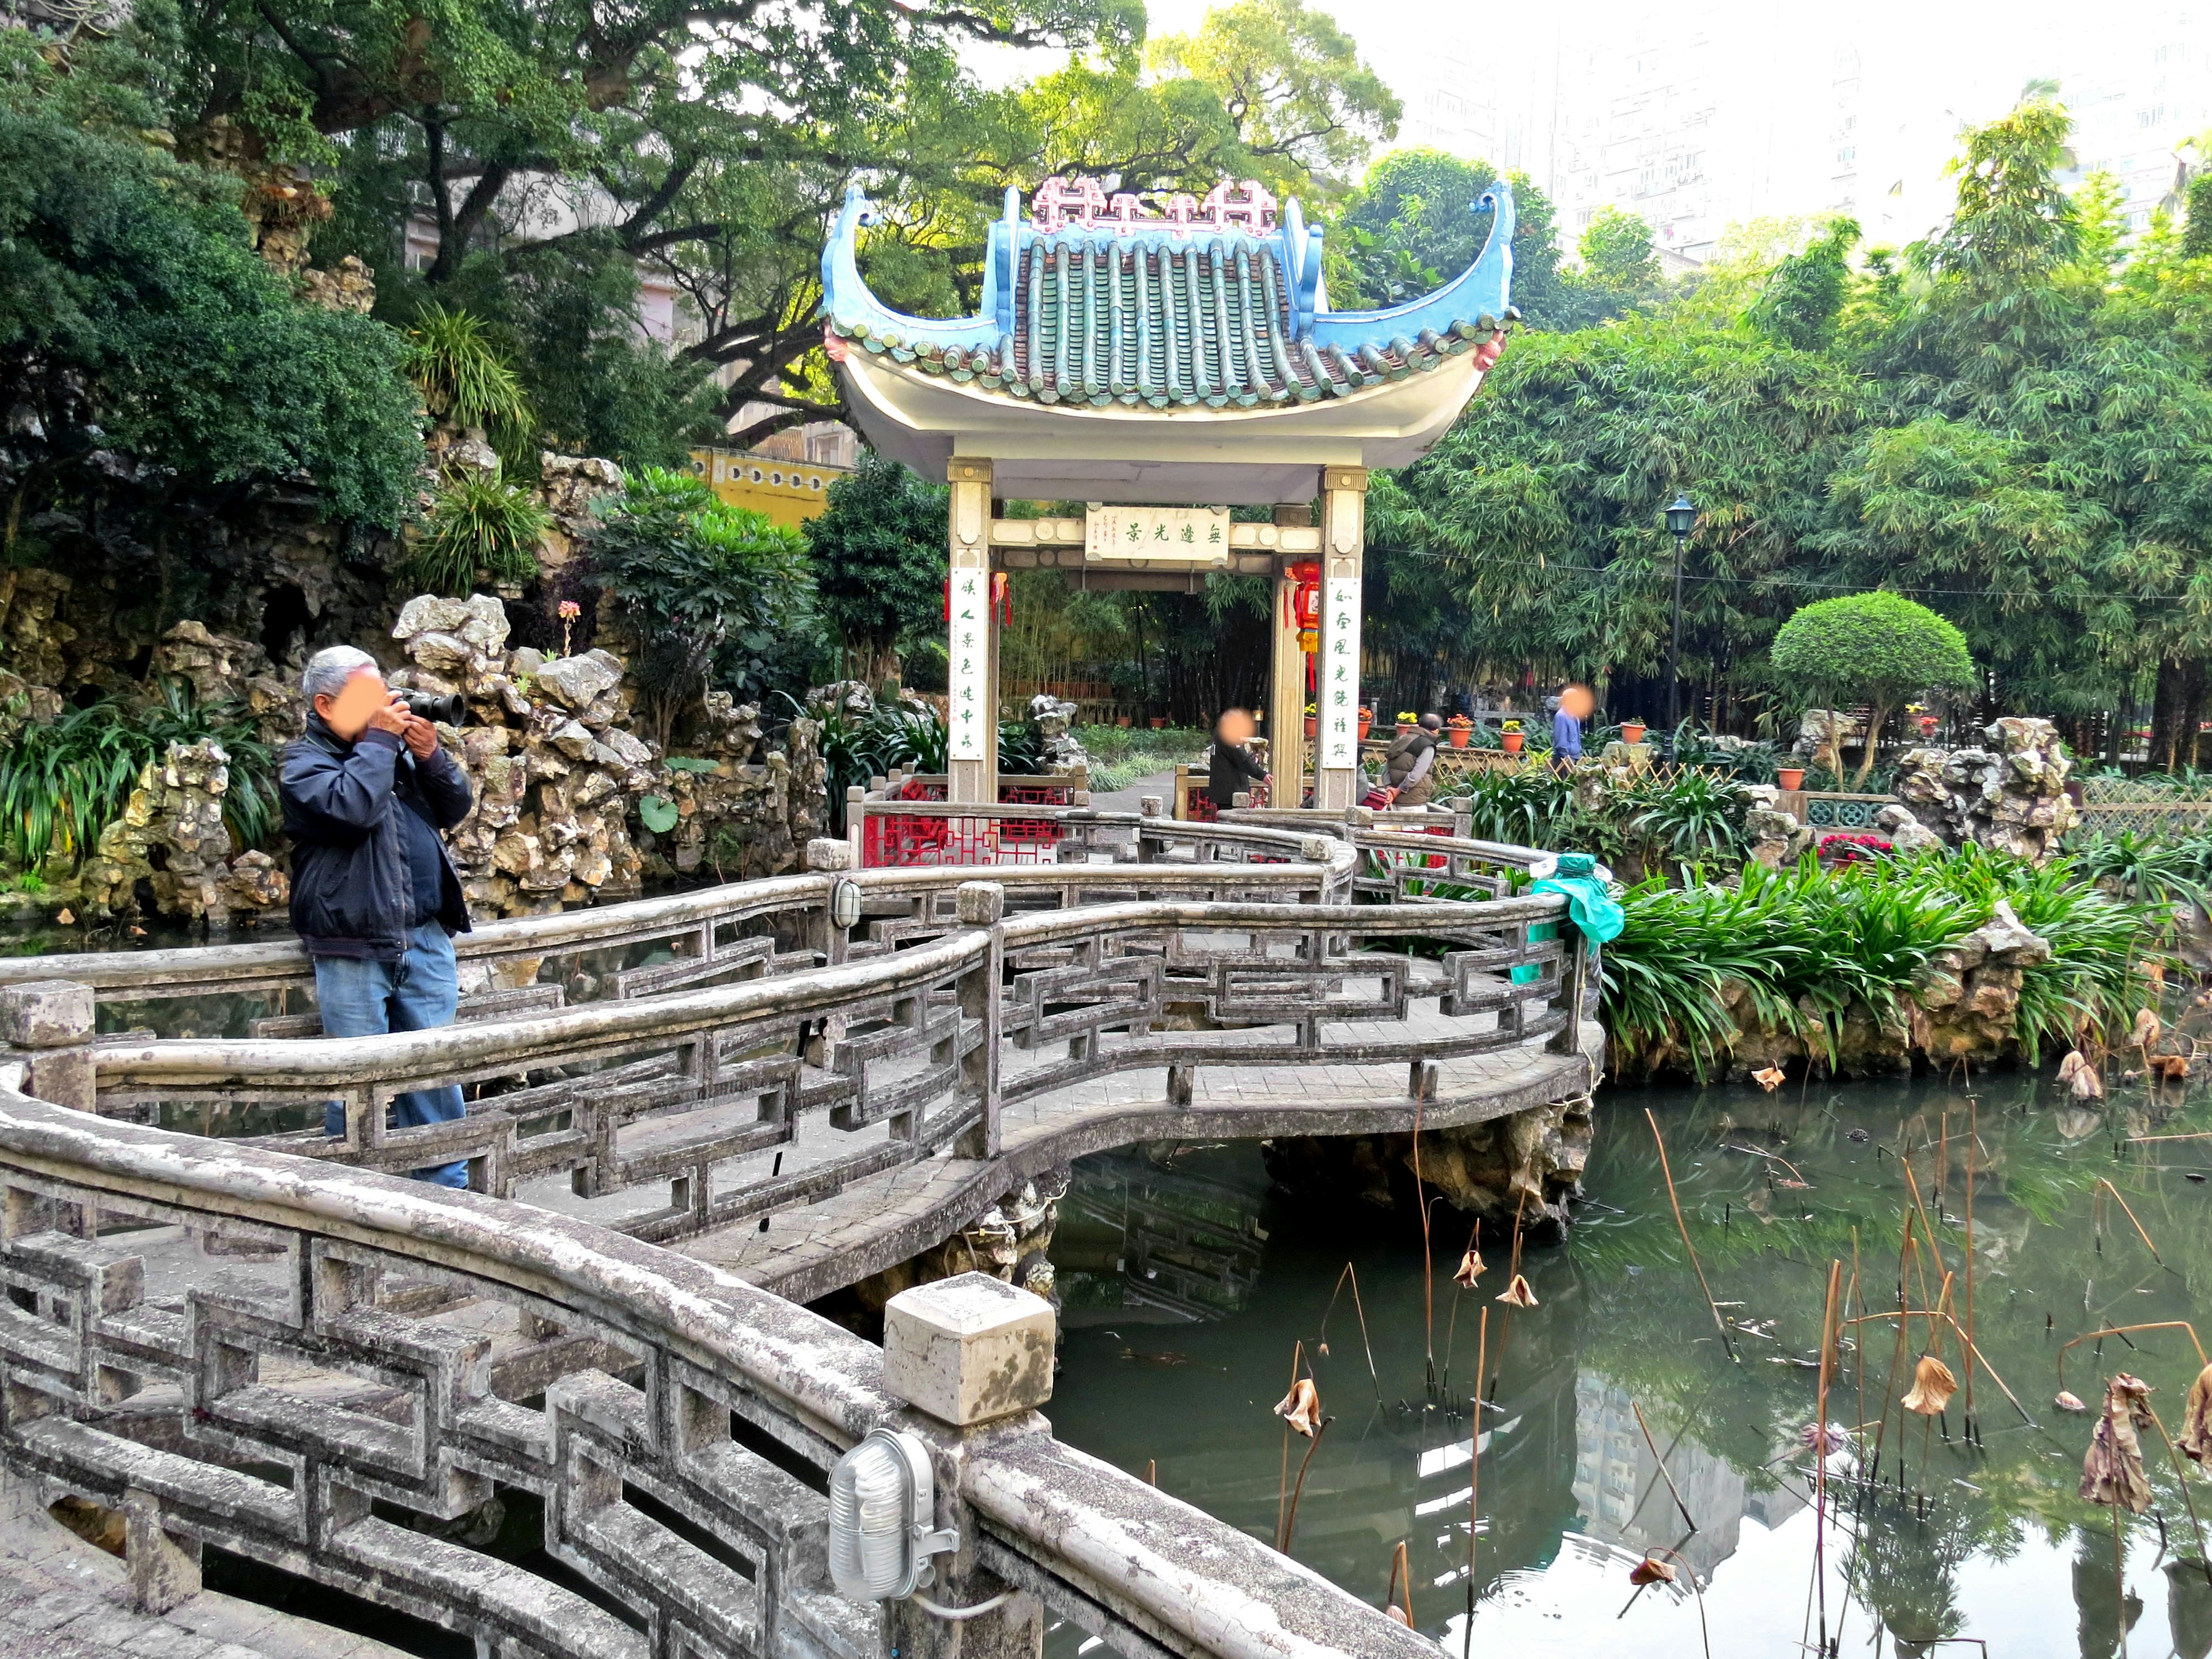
1150	805
823	853
969	1349
1314	849
1359	817
45	1013
980	903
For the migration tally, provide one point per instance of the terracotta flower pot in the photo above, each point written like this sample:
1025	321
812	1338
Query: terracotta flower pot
1513	740
1631	731
1122	721
1363	727
1405	727
1159	722
1458	735
1790	777
1313	725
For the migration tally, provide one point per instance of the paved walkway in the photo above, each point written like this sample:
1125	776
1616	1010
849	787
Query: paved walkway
61	1598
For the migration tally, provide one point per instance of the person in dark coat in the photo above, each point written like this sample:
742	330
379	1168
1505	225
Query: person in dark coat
367	794
1233	769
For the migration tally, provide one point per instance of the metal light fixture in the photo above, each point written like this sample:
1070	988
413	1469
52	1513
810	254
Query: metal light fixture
1681	519
845	904
882	1503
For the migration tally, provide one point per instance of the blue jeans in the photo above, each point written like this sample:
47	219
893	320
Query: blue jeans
368	999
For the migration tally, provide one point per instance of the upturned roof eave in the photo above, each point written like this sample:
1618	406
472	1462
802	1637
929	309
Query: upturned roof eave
1481	292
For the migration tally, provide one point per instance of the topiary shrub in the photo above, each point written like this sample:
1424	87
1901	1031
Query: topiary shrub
1879	646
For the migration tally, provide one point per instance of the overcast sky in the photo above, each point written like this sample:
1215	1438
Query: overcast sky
1932	65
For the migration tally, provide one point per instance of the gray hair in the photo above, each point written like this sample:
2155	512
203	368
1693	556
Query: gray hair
330	668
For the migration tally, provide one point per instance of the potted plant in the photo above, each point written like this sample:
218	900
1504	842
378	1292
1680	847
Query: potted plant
1122	721
1407	721
1459	728
1790	777
1512	736
1632	732
1366	720
1159	722
1313	721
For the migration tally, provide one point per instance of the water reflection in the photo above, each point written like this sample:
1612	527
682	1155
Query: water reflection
1190	1284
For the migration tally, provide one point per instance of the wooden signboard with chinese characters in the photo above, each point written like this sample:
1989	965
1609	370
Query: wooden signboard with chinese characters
1191	537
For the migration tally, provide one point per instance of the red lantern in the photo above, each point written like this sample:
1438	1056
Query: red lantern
1301	605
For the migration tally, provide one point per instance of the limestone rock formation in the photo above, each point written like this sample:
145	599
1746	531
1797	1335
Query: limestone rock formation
567	486
567	794
1011	1241
1528	1162
2009	795
1967	1000
1058	753
554	775
1906	834
171	835
1773	837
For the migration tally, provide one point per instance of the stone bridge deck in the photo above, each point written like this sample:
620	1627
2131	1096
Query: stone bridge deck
883	1220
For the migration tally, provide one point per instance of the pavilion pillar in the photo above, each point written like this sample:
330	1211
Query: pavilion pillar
1343	507
1286	681
970	677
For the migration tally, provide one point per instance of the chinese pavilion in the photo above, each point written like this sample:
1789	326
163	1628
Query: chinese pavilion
1140	361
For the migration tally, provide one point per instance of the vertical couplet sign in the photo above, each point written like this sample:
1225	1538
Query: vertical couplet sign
968	681
1340	672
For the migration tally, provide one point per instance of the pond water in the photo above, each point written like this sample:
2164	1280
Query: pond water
1189	1283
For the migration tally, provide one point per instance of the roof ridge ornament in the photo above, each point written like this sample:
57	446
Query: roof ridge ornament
1083	205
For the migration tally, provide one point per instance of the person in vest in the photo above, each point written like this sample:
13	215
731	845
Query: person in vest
1409	766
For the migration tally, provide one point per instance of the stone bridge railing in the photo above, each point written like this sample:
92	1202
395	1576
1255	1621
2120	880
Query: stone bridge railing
909	1032
338	1374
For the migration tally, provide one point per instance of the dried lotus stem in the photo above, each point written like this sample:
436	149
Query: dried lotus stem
2127	1330
1683	1227
2132	1222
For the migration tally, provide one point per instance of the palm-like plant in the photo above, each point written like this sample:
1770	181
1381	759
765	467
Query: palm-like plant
480	529
464	379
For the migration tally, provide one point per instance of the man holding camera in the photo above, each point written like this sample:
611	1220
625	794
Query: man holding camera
376	901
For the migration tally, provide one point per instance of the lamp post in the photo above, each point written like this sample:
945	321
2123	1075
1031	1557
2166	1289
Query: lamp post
1681	519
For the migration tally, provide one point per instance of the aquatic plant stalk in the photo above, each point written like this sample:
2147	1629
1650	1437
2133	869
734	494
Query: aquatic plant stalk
1675	1492
1290	1520
1821	1455
1351	1274
2130	1215
1428	1261
1683	1227
1402	1574
2181	1475
1973	1141
1908	1315
2123	1330
1474	1477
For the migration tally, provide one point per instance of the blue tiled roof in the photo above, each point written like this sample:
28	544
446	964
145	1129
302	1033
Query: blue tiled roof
1168	313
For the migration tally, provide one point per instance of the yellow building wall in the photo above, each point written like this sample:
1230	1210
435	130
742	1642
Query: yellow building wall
789	492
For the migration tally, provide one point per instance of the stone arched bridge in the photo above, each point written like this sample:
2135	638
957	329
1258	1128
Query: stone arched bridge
690	1113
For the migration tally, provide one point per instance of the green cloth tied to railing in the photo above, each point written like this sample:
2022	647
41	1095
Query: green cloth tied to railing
1578	877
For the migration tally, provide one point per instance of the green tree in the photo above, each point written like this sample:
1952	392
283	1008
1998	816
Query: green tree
1805	295
878	558
713	592
1541	509
1417	212
156	366
1879	646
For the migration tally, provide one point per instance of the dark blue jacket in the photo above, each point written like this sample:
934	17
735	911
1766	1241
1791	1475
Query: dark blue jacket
352	887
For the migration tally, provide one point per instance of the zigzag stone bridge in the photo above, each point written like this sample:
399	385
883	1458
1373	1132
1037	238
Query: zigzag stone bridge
690	1114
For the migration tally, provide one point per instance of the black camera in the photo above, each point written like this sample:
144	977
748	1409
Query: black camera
443	710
